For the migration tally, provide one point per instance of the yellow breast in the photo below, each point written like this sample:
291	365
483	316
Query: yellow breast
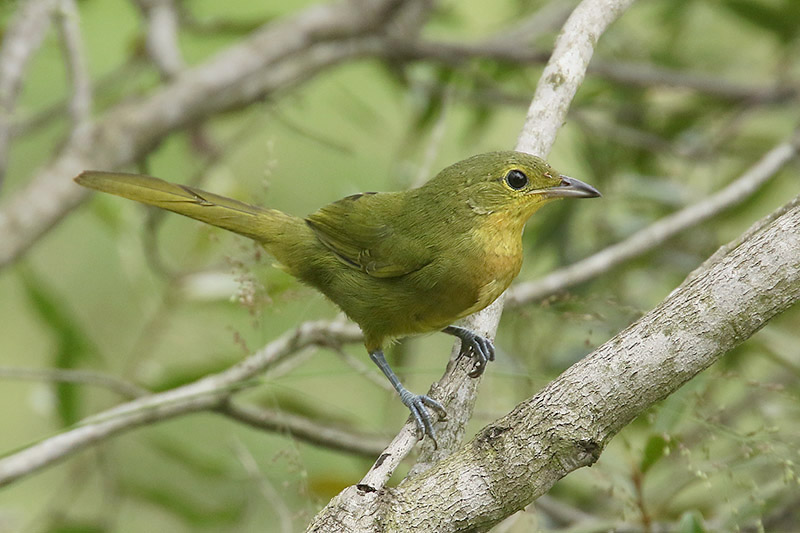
500	242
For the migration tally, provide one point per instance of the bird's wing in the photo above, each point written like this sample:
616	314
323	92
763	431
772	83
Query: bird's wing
364	232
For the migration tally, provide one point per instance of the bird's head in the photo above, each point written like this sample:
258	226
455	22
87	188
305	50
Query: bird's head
512	184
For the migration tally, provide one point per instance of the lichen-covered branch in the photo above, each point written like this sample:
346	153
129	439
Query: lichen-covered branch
566	425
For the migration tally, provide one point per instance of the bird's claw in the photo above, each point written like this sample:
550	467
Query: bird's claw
481	347
482	351
417	404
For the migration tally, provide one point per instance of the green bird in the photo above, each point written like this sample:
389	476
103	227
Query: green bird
397	263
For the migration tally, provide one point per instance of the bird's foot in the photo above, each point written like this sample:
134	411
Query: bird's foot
482	348
417	404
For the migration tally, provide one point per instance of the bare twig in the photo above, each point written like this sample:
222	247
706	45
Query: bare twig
210	392
307	430
752	230
367	371
270	493
87	377
21	39
162	36
646	75
657	233
624	73
80	104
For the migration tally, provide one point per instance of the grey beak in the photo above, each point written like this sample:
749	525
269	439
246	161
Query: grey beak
572	188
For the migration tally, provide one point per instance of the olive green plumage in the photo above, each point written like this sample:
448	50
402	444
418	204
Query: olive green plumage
396	263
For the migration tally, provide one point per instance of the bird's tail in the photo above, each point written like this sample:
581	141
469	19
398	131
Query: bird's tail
259	223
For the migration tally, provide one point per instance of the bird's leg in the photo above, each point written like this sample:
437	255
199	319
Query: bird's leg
416	403
482	348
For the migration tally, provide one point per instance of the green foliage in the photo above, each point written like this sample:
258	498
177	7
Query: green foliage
691	522
71	350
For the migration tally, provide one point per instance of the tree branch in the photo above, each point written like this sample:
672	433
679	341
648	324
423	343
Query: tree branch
22	38
208	393
566	425
124	388
305	429
456	390
80	104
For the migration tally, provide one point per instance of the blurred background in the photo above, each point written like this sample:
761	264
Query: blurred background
681	98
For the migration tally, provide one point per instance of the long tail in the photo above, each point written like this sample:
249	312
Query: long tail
261	224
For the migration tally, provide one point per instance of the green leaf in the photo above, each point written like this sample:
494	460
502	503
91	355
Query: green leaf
71	346
654	450
691	522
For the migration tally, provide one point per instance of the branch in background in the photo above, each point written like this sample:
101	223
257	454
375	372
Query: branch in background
757	227
210	392
641	75
268	491
305	429
277	57
119	386
21	39
657	233
646	75
80	105
162	36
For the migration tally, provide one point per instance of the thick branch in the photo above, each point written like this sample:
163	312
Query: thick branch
567	425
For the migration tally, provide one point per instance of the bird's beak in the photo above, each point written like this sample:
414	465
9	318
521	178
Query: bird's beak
571	188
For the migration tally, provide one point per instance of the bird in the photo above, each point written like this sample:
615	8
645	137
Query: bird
396	263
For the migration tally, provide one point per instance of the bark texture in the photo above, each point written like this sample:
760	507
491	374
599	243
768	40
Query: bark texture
566	426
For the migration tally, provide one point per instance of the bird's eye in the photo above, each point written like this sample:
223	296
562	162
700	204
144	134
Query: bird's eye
516	179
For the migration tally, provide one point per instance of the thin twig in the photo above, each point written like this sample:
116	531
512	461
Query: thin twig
87	377
368	372
21	39
162	36
80	104
305	429
757	226
657	233
267	489
624	73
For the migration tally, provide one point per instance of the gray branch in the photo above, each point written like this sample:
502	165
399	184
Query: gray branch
209	393
565	426
22	38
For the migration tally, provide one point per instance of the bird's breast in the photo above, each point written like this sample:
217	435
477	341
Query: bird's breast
498	243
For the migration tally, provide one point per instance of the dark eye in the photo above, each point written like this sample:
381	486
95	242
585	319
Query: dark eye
516	179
